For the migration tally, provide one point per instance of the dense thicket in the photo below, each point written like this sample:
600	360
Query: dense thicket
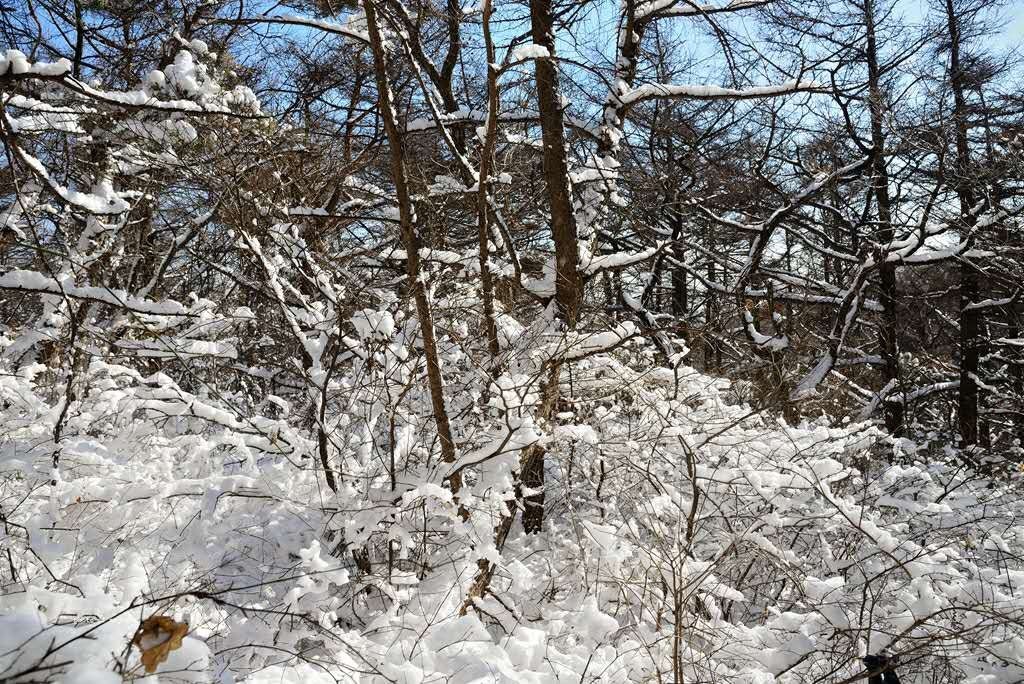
416	341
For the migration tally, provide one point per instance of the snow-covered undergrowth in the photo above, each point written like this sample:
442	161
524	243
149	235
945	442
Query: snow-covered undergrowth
686	538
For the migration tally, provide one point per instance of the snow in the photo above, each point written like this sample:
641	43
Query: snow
762	341
105	201
477	116
182	78
674	8
580	345
350	30
605	262
254	535
33	281
370	324
16	63
530	51
650	91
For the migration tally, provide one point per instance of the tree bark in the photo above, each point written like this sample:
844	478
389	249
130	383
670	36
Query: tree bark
410	239
888	335
568	280
483	208
970	318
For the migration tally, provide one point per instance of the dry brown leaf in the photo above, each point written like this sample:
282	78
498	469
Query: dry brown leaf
156	637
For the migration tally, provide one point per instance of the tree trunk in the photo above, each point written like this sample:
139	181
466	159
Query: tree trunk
970	318
483	208
888	335
568	279
410	239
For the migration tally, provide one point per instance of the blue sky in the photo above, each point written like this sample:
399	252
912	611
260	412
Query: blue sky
598	33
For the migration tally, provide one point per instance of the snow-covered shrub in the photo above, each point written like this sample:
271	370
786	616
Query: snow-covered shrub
688	539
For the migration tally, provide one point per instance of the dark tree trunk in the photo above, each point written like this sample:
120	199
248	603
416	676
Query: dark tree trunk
568	279
888	336
970	318
410	240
